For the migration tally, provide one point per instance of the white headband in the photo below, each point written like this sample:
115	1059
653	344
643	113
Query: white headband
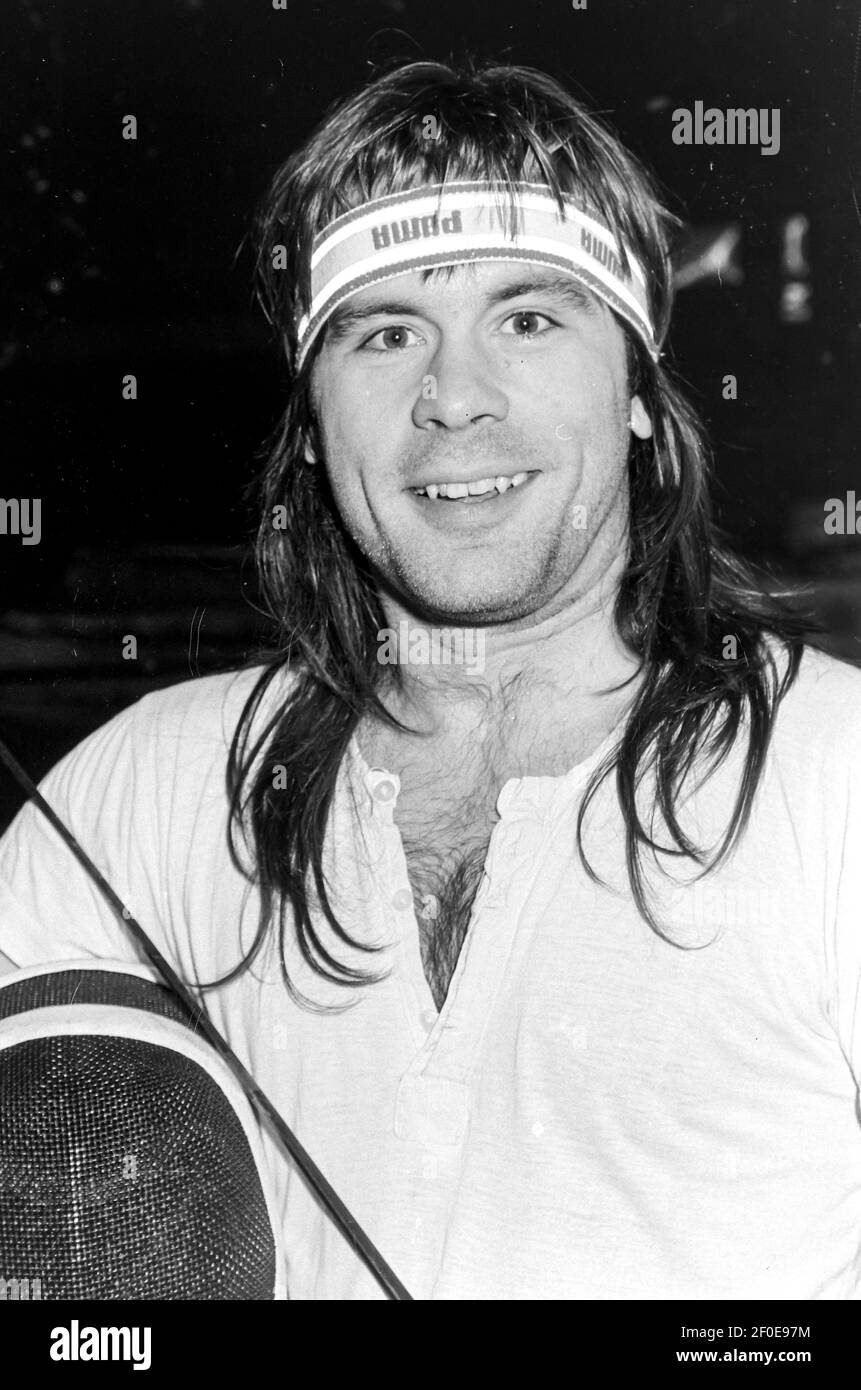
448	224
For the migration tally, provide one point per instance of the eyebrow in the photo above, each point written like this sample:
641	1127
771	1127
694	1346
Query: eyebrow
348	317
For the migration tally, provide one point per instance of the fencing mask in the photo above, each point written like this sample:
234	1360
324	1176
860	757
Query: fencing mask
131	1165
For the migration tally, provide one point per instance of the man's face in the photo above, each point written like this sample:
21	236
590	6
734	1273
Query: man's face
481	372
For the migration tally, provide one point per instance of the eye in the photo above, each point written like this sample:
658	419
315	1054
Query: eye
526	323
392	338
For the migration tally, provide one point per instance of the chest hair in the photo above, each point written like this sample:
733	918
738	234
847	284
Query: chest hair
445	843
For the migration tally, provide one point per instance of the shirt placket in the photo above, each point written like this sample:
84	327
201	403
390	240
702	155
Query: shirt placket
432	1102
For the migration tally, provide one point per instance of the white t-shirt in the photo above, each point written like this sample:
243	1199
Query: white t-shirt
596	1112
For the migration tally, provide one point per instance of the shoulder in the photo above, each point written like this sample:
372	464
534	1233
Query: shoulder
146	797
821	710
206	709
167	740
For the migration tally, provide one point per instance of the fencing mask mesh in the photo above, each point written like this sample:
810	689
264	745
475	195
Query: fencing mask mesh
131	1165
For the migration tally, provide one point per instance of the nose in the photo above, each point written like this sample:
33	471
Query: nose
459	389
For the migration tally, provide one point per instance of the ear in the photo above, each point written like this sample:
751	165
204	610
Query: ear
311	440
640	422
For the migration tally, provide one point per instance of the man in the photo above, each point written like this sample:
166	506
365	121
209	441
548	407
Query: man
554	964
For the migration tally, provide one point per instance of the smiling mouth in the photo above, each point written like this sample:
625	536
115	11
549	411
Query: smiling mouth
483	489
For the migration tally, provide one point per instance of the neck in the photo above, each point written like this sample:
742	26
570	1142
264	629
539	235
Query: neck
561	663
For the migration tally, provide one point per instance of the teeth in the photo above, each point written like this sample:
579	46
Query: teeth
482	485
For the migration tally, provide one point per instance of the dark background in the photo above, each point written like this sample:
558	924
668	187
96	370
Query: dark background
127	257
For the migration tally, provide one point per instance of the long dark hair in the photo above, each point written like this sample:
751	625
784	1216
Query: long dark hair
683	591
